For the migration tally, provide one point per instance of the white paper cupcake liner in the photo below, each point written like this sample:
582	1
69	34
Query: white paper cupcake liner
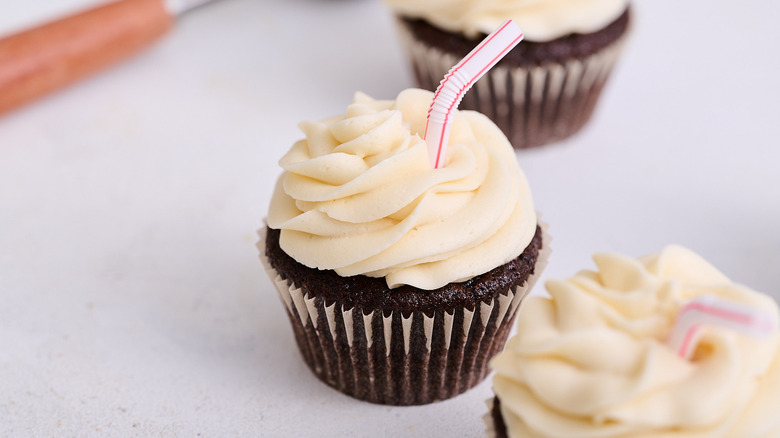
490	423
533	106
398	358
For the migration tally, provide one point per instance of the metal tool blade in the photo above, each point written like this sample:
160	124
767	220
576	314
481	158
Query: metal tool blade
179	7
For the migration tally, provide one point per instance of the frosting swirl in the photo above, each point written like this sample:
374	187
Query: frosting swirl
358	196
540	20
591	361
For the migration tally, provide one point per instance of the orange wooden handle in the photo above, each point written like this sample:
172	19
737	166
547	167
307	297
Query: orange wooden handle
43	59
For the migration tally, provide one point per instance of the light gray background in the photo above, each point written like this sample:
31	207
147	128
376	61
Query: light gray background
132	302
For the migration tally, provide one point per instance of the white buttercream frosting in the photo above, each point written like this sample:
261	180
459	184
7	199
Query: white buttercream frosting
358	196
591	361
540	20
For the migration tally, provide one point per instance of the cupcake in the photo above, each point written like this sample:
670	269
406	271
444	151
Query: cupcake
595	360
401	281
545	89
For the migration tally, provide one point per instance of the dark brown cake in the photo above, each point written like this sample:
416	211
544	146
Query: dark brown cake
541	92
370	293
349	351
527	53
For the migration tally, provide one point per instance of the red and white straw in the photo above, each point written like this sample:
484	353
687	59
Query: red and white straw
459	79
711	311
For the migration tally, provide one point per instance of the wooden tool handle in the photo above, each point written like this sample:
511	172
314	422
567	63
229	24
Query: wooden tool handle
43	59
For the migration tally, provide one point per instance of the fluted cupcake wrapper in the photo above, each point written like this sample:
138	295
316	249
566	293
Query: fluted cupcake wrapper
400	358
490	423
533	105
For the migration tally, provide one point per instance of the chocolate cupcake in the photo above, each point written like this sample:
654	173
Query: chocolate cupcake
545	89
599	357
401	281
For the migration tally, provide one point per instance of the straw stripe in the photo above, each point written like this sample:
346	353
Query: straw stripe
467	59
692	332
711	311
462	90
459	79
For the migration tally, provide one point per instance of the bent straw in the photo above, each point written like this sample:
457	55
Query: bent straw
711	311
459	79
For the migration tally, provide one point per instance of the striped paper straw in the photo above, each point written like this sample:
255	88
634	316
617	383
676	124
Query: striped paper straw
712	311
459	79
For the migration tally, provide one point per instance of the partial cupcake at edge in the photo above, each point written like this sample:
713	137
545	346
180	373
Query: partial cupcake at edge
598	358
401	281
546	89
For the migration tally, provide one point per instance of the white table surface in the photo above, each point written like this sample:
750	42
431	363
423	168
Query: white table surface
132	302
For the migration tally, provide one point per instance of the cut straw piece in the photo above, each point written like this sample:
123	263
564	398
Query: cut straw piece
459	79
712	311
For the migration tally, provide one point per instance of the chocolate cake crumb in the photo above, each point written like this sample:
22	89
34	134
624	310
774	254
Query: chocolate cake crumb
574	45
370	293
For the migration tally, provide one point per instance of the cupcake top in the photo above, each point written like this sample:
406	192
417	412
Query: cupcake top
592	360
540	20
359	196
